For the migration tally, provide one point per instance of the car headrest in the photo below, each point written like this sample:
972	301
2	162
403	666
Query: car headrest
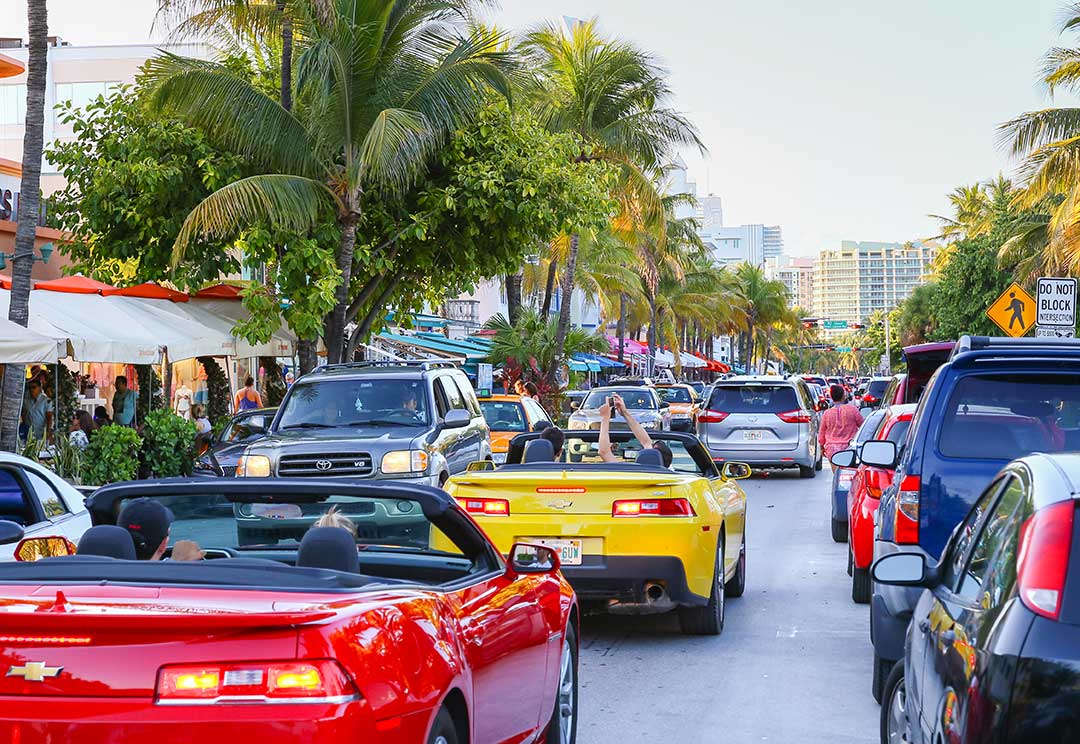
539	450
109	541
328	547
650	457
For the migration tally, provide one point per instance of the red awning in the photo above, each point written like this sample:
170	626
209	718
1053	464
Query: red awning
74	285
220	292
149	290
5	282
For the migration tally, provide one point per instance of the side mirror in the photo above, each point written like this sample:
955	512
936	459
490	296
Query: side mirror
904	569
531	559
257	425
35	548
10	532
477	466
821	406
457	419
735	471
845	459
879	453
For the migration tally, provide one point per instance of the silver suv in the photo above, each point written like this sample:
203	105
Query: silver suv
417	422
764	421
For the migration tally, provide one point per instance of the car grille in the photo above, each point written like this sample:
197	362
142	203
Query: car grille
325	465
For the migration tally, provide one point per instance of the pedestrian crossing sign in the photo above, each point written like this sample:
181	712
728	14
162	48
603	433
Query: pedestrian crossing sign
1013	311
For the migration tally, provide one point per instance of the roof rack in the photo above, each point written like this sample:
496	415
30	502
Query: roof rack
423	364
980	343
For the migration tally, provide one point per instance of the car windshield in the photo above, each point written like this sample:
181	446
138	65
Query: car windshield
581	451
636	399
675	395
329	403
754	399
503	415
1002	417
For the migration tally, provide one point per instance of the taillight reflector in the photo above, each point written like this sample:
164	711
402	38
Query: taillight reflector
794	417
1043	559
652	508
321	680
906	523
712	417
490	507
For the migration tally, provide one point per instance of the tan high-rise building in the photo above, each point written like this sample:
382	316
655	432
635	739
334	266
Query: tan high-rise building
797	274
861	278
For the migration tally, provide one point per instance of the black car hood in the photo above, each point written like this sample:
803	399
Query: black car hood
386	435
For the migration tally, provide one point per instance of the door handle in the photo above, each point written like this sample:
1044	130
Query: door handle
924	626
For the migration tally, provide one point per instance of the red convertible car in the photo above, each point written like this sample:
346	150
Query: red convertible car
358	631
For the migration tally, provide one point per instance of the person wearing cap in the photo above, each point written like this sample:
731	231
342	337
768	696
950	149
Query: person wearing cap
148	521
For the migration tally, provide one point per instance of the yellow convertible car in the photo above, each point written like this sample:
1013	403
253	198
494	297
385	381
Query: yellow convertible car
633	536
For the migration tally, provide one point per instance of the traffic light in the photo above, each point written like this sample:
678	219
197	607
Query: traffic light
857	326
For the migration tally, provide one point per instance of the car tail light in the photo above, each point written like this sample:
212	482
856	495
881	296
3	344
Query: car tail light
794	417
1045	543
907	511
712	417
877	480
490	507
315	681
870	400
846	475
652	508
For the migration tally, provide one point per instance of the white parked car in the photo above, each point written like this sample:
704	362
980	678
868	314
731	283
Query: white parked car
43	504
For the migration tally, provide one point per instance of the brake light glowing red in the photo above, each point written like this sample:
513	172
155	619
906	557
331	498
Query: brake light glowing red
712	417
1043	560
45	640
490	507
906	524
794	417
319	680
560	489
652	508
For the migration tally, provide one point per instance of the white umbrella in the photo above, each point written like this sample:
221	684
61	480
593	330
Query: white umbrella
20	345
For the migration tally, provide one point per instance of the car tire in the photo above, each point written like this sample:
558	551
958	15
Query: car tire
807	471
851	562
882	668
562	729
443	731
734	589
708	620
839	531
895	722
860	585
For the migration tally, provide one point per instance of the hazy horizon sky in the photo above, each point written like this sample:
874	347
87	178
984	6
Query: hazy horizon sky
847	120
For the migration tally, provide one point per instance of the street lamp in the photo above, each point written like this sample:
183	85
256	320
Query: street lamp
45	250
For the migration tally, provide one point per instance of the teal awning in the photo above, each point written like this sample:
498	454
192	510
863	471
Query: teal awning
444	346
467	347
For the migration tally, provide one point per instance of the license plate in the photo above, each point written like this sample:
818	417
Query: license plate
752	436
569	550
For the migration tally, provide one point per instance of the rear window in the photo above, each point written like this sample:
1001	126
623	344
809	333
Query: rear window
870	426
754	399
898	431
877	387
503	415
1002	417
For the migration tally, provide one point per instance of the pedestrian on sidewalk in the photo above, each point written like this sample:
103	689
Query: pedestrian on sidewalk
247	397
123	403
839	424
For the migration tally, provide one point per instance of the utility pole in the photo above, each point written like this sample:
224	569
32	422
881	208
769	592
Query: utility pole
888	354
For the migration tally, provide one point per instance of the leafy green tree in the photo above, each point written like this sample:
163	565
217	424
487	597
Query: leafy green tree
112	456
914	320
969	283
167	444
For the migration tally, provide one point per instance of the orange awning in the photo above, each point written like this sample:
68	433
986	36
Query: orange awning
74	285
220	291
149	290
5	282
10	67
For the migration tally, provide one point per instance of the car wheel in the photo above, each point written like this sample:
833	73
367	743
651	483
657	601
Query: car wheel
444	731
707	620
882	667
737	585
860	585
563	726
839	530
895	727
807	471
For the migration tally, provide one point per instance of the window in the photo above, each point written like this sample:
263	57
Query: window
754	399
675	395
331	404
965	536
81	94
12	105
12	500
452	394
536	411
991	571
504	415
51	503
467	395
636	399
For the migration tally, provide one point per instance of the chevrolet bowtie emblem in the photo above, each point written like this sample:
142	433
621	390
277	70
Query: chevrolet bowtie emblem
34	671
560	504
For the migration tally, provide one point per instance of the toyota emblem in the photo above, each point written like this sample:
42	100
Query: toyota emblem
323	465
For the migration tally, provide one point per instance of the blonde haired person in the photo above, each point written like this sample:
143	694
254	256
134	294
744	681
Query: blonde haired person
335	518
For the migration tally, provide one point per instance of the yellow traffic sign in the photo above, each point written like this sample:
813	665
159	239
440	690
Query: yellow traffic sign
1014	311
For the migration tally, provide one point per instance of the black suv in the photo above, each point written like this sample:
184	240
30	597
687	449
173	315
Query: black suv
418	422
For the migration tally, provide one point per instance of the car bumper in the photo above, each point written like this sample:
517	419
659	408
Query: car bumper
766	458
624	578
682	424
892	606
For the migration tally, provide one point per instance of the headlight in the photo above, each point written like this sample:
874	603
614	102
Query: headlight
499	457
577	424
680	415
253	466
405	461
648	424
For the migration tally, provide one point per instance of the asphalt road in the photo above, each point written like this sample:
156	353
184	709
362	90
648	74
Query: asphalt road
792	665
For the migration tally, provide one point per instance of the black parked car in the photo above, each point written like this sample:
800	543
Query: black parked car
993	648
224	451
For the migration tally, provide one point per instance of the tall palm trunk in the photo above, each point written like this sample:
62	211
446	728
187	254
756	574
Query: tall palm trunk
513	296
23	261
621	327
335	323
564	305
549	288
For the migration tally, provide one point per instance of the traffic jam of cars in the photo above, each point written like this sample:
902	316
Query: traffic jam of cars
390	557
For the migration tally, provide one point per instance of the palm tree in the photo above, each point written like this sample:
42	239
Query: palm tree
382	82
614	96
972	214
763	301
23	260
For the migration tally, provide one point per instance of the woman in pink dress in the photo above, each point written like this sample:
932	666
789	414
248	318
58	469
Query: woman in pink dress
839	424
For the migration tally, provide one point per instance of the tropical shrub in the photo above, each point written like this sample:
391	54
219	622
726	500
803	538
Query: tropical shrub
113	455
167	444
217	389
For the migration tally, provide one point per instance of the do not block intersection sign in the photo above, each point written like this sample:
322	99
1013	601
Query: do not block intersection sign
1056	307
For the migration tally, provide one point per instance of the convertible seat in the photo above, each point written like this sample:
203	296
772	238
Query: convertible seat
109	541
328	547
651	457
538	450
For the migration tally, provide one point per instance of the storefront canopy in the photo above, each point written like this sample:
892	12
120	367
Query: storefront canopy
20	345
74	285
150	291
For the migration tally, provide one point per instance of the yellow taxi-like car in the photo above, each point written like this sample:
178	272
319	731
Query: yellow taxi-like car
683	405
633	536
507	416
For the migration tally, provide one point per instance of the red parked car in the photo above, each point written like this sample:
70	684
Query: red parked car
863	497
323	634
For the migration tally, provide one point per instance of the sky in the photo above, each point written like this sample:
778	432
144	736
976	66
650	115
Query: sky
837	120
